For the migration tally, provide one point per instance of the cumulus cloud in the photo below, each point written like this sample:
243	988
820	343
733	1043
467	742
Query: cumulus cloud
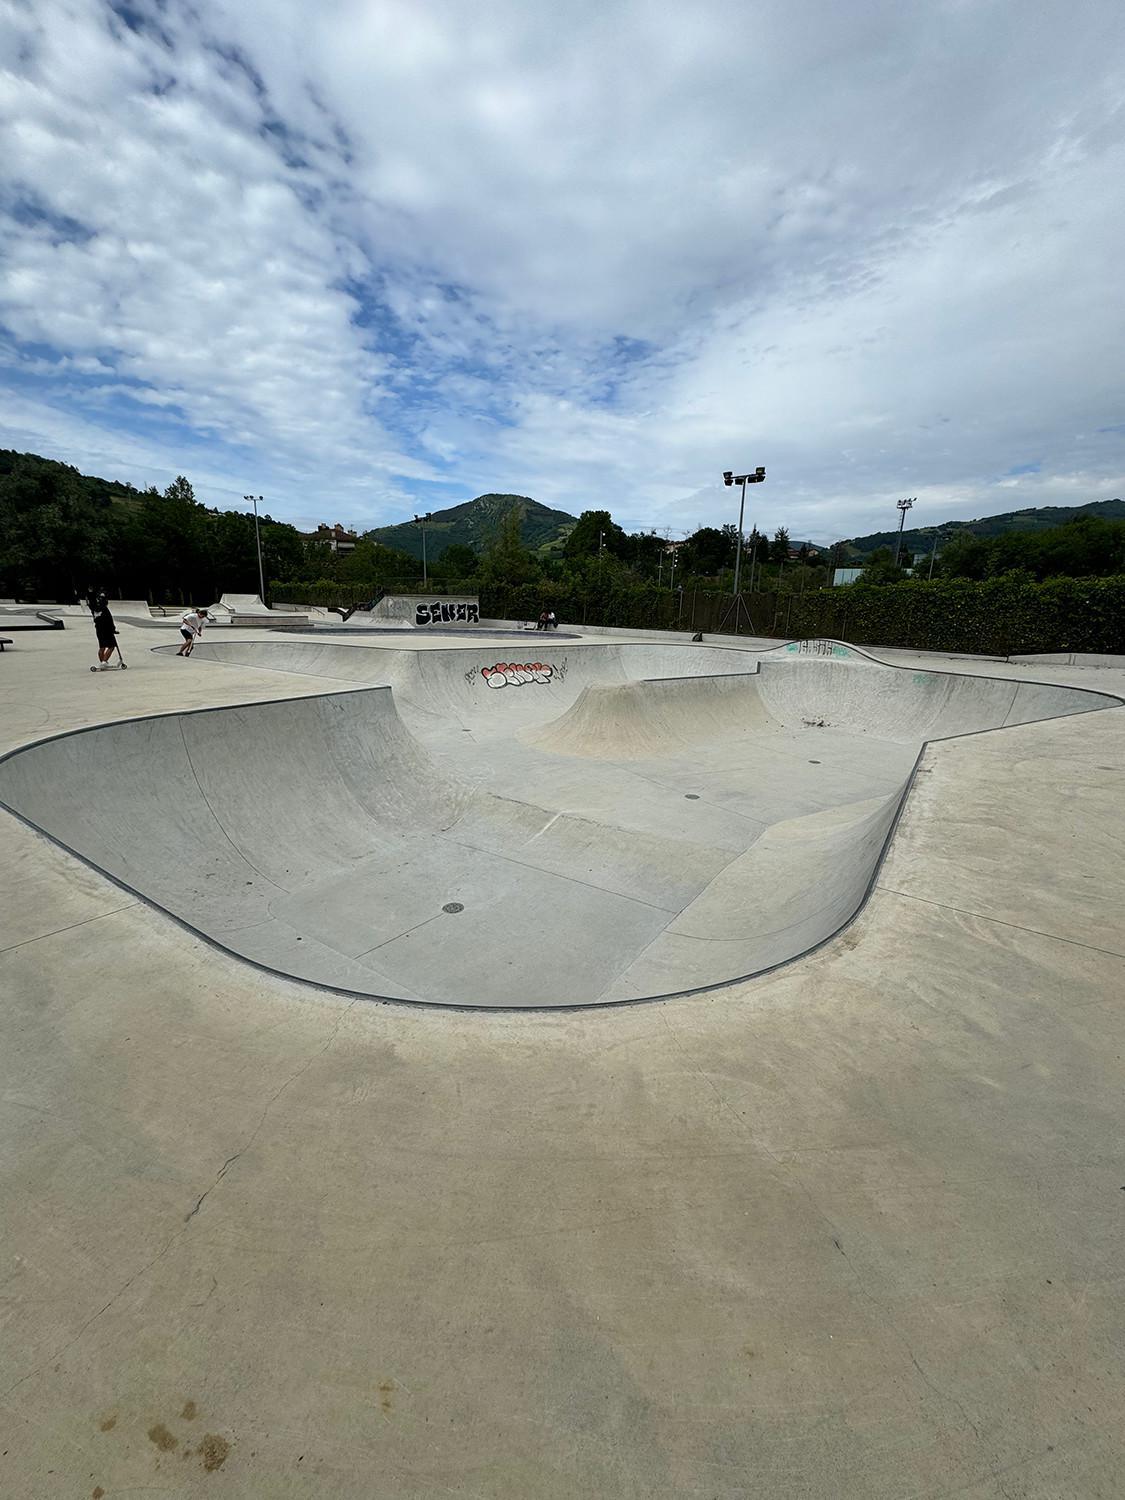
371	255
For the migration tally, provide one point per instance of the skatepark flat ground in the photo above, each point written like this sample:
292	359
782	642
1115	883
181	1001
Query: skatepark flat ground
851	1228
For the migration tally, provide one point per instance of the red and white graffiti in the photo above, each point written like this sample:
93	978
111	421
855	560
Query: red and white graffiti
515	674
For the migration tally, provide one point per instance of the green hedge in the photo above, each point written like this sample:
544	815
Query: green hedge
998	617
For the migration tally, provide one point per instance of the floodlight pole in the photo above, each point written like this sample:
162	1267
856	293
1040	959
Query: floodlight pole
742	479
258	543
425	569
903	507
738	544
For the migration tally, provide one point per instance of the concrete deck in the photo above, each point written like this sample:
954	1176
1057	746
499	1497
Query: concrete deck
849	1229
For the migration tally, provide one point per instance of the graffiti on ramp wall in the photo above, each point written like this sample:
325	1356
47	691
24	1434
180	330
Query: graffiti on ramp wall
516	674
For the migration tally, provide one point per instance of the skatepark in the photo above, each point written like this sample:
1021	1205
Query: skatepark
745	1119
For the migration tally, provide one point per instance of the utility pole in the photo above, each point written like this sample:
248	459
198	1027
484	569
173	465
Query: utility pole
421	520
258	543
729	477
933	554
903	507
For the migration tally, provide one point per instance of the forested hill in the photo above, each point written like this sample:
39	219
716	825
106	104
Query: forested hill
33	468
921	538
475	523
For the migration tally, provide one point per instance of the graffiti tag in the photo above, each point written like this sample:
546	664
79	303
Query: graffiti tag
516	674
439	613
817	648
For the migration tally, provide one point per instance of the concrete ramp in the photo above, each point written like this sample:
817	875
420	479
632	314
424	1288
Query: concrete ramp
248	610
490	690
798	884
890	703
1070	659
244	604
588	826
636	719
857	696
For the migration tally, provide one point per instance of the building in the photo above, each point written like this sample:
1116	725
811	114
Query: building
337	538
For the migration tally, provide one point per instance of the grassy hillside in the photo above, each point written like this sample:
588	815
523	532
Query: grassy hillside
99	492
473	524
921	538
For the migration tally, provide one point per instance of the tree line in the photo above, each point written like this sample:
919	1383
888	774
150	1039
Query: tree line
62	532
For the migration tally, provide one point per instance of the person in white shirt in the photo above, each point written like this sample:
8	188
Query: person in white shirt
191	628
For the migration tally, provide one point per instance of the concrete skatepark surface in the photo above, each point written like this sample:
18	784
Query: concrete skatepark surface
382	841
850	1229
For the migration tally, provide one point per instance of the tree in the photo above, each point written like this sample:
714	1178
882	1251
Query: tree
645	550
507	561
180	491
881	567
596	533
709	550
779	547
168	538
964	556
54	543
457	561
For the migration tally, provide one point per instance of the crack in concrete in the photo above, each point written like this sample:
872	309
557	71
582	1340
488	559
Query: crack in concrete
179	1234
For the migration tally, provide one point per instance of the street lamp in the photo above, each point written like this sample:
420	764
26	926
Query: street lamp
421	520
729	477
258	542
903	507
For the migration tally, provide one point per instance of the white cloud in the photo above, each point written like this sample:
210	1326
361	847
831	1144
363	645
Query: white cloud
377	253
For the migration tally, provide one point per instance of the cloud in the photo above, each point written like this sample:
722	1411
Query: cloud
373	256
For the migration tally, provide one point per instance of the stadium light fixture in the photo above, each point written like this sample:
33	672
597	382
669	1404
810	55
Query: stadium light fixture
730	477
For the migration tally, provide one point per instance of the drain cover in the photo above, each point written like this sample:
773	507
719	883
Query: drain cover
453	906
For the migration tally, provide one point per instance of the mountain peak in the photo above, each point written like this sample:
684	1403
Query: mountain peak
472	524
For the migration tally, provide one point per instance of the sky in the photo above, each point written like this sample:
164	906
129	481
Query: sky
368	257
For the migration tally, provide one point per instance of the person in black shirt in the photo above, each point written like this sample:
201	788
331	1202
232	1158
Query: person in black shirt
105	628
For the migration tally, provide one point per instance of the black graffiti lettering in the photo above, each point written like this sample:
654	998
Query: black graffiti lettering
438	612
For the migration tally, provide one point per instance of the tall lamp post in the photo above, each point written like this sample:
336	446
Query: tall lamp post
425	570
729	477
903	507
258	542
